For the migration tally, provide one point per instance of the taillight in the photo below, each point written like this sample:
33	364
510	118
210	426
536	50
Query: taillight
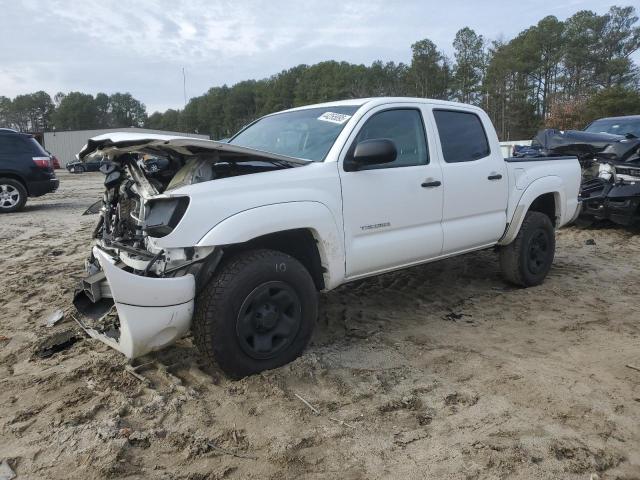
42	162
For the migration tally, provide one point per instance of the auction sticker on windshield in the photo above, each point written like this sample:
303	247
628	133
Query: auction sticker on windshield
332	117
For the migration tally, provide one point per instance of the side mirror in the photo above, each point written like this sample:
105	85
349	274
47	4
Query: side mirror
371	152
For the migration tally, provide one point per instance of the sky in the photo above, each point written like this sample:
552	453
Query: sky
142	46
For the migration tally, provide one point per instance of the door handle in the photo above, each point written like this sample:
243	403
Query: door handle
435	183
495	176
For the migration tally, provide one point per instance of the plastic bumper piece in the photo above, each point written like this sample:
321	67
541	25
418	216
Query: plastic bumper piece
153	312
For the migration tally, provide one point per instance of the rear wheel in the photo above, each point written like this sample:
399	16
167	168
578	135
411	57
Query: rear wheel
527	260
13	195
257	313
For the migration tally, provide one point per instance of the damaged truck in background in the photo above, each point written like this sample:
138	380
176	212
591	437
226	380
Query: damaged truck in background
233	241
609	153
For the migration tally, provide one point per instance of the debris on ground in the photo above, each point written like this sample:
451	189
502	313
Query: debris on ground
57	343
54	318
6	473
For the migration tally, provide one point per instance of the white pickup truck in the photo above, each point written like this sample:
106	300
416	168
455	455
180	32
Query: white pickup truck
234	239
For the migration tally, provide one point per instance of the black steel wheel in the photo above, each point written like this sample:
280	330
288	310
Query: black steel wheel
269	320
538	251
257	312
527	260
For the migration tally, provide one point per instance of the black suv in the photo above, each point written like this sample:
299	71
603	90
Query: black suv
26	170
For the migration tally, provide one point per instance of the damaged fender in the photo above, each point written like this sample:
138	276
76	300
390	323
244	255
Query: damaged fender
315	216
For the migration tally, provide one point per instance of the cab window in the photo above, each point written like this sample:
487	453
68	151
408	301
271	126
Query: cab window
462	136
405	128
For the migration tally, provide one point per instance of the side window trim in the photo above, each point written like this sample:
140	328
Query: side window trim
358	128
467	112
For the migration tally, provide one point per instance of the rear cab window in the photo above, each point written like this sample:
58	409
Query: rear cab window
462	136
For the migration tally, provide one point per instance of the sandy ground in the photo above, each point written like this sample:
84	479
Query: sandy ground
441	371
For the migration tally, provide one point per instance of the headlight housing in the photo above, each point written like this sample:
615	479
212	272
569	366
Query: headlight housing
162	215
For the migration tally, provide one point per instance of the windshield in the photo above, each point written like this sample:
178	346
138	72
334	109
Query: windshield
307	134
617	127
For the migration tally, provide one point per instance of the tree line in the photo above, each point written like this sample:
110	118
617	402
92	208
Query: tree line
38	112
559	74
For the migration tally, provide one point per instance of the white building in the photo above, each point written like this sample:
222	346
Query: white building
65	145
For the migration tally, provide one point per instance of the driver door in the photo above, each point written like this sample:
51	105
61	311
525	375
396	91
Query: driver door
392	212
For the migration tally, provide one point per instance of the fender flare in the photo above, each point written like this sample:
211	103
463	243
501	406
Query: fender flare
551	184
256	222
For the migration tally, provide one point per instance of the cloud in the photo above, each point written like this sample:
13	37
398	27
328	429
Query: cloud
141	46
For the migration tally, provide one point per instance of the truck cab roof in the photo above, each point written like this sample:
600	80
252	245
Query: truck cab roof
376	101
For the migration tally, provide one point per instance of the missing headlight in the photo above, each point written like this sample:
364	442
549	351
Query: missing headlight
163	214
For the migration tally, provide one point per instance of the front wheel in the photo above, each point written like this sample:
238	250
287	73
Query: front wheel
527	260
257	313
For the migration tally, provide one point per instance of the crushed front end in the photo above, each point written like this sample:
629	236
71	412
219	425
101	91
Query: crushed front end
139	289
138	297
610	188
613	194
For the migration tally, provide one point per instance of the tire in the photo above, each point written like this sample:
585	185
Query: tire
13	195
527	260
78	169
257	313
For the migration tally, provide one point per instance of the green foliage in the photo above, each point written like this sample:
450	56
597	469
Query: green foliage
470	64
611	102
36	112
122	110
429	73
30	112
76	111
560	64
82	111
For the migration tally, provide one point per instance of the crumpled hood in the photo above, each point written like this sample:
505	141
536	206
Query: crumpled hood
586	144
124	142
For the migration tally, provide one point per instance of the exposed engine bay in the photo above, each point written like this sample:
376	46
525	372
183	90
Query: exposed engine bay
610	170
136	207
139	207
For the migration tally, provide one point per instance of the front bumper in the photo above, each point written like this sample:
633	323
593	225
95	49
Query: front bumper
619	203
151	312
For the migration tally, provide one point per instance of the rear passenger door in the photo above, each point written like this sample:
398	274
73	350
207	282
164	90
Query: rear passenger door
474	180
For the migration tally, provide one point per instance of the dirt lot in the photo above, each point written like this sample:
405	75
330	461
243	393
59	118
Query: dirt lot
438	372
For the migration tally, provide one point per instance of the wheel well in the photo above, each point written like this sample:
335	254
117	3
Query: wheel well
546	203
299	243
17	178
